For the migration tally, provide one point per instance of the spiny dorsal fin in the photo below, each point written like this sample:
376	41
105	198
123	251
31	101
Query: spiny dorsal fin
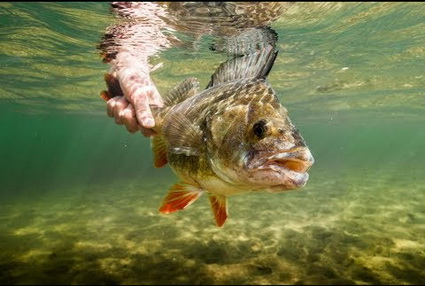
159	149
187	88
182	135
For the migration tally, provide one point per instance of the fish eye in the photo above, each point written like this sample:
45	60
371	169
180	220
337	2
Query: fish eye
260	128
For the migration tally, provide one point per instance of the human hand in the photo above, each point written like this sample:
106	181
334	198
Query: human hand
129	96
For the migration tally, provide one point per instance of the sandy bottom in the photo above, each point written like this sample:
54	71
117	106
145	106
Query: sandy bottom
346	231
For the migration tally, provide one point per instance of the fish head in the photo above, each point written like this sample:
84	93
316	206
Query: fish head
257	144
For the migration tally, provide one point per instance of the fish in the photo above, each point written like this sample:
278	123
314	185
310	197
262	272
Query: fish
231	138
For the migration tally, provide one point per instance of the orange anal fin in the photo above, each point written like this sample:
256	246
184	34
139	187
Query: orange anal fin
159	149
219	208
179	197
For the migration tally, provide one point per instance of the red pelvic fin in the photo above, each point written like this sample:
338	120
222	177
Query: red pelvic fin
179	197
219	208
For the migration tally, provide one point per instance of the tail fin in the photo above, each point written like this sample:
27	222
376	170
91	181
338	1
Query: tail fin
114	88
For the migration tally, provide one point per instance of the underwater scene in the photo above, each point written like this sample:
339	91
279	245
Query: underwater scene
80	195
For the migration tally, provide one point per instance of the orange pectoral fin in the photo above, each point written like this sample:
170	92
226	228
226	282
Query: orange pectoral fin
219	208
179	197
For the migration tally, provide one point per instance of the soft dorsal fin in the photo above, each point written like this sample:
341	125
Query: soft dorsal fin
187	88
183	136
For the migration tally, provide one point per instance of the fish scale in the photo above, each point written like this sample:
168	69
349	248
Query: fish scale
233	137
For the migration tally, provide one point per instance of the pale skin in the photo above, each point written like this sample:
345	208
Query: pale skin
132	110
128	48
130	67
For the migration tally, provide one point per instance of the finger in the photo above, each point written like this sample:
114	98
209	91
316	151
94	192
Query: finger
143	113
154	96
148	132
132	129
110	106
128	117
120	104
140	91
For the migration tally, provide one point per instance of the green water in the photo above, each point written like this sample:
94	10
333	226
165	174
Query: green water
79	194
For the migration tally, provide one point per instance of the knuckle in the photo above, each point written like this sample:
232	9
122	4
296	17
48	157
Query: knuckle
122	114
111	104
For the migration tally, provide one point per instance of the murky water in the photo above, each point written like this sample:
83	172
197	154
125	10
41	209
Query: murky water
79	194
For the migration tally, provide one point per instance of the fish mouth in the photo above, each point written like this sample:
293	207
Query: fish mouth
299	160
283	170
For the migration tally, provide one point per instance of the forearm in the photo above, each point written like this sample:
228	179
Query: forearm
130	43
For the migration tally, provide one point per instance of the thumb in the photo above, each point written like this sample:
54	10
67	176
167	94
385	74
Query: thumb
150	96
143	113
